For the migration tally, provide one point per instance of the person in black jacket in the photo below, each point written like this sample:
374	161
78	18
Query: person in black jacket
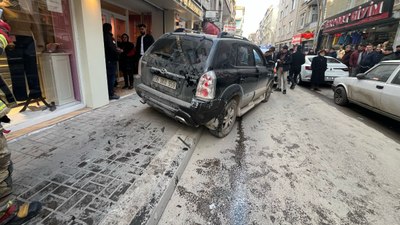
111	52
369	59
318	66
126	61
143	42
283	60
298	59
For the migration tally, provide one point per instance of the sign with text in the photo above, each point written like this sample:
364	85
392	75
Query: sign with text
54	6
369	12
230	29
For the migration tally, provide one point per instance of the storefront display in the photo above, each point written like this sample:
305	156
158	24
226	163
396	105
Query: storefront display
369	23
37	27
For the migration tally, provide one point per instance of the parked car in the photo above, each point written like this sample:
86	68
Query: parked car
201	79
378	89
335	69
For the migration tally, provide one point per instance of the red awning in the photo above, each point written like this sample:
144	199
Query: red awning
307	35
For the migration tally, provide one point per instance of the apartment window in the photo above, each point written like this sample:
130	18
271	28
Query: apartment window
290	26
293	4
281	14
284	29
314	14
301	21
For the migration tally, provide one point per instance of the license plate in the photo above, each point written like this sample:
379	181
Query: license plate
329	78
164	81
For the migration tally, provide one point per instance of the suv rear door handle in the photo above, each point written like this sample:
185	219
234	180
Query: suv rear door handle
379	86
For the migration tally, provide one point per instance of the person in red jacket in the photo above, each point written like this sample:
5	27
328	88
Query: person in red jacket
355	59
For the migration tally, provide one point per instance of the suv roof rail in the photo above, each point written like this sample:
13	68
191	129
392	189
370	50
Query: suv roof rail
228	35
185	30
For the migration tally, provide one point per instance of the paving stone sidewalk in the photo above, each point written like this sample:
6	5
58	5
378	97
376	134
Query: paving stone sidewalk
80	168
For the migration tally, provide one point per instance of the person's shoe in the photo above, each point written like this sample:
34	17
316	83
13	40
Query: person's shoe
292	86
130	87
125	87
114	97
284	92
317	89
278	89
23	213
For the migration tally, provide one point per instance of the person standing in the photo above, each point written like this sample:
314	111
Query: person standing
283	65
318	68
369	59
111	52
298	59
397	52
270	56
143	42
355	59
346	56
126	61
388	54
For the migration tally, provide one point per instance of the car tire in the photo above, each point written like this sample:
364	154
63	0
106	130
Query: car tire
340	96
268	92
226	120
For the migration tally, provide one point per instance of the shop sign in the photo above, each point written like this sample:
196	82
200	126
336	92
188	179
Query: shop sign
192	6
54	6
230	29
369	12
296	39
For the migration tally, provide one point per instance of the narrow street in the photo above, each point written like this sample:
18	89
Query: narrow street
298	159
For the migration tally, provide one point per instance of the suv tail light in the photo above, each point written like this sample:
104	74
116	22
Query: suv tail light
308	67
206	86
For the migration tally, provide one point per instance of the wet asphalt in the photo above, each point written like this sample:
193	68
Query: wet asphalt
298	159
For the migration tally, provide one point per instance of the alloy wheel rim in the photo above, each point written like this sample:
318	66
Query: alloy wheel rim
228	119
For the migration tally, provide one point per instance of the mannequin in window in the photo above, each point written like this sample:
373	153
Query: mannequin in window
21	55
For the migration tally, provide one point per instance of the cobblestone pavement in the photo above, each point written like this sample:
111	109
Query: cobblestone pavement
80	168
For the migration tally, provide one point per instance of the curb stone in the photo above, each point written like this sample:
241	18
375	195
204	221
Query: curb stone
144	202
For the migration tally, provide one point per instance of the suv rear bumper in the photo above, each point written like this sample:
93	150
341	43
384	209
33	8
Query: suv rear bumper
195	113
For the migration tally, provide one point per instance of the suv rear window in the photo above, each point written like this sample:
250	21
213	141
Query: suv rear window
177	52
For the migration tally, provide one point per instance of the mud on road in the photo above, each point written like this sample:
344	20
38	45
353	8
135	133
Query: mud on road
293	160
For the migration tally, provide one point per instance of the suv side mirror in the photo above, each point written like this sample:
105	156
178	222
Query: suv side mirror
360	76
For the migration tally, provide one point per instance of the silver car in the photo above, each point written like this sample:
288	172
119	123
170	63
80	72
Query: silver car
378	89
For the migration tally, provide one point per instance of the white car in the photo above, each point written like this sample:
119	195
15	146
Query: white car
335	69
378	89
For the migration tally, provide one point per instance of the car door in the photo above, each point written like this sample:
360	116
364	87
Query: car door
248	73
263	73
369	90
390	100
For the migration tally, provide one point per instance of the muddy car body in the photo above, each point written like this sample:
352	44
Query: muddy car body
202	79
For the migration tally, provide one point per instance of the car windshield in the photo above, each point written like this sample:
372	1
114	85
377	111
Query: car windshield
180	54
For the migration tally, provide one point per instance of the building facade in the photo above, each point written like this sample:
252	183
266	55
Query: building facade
307	24
66	60
286	23
360	22
239	19
267	30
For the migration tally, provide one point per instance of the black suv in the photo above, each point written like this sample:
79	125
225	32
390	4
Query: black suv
201	79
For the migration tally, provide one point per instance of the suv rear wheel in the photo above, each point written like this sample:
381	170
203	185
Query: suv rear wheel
226	120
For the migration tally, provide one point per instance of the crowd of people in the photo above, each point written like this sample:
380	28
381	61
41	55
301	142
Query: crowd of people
360	58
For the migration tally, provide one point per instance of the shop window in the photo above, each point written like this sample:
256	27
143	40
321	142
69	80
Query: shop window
40	31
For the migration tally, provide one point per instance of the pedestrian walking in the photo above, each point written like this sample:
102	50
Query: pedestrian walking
355	60
298	59
143	42
127	61
111	52
318	68
284	60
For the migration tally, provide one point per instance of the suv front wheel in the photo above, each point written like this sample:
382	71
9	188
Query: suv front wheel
226	120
